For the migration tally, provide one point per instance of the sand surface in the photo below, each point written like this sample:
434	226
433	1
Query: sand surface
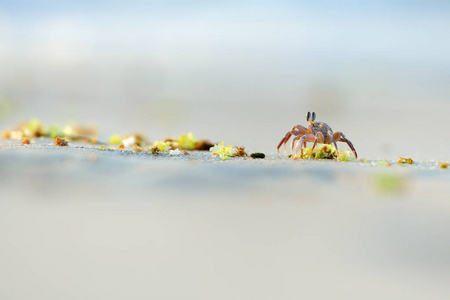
81	223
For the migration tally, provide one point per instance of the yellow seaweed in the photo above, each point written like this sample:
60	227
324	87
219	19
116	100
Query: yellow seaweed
223	151
324	152
402	160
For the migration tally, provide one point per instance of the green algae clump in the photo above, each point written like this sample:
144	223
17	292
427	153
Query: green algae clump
324	152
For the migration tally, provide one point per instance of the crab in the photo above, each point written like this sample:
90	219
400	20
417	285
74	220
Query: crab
317	132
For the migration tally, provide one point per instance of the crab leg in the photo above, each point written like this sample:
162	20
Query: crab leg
298	130
333	140
306	138
319	139
340	137
285	139
295	140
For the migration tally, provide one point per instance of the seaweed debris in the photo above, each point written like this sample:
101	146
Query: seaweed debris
26	141
203	145
60	142
102	148
34	128
160	147
324	152
402	160
135	139
187	141
87	134
240	151
443	165
115	139
257	155
224	152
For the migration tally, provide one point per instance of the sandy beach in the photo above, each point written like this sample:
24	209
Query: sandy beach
76	221
86	223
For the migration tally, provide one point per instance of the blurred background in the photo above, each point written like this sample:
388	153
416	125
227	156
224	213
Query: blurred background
243	72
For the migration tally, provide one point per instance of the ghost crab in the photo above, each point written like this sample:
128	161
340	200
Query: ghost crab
317	132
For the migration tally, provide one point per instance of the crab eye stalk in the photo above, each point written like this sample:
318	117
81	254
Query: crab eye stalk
313	116
308	116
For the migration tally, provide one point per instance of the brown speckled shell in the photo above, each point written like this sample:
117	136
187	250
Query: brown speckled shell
320	127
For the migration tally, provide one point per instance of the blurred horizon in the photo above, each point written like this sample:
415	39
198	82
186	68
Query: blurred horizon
242	72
